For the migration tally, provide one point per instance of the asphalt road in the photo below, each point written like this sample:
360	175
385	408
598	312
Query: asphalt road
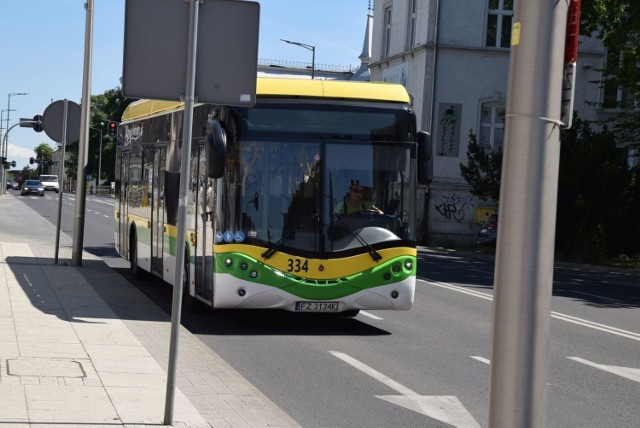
371	370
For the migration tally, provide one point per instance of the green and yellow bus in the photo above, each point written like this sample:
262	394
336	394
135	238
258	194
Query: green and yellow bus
263	225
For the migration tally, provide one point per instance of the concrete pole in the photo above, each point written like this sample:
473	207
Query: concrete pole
81	185
526	231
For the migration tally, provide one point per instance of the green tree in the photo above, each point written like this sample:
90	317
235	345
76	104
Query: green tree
483	170
105	107
43	152
595	217
617	24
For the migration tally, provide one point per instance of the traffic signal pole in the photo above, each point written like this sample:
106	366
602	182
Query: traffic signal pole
526	228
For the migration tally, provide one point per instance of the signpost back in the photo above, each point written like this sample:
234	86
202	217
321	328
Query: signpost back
155	36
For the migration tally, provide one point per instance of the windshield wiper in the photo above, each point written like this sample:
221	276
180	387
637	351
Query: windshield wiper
272	250
372	251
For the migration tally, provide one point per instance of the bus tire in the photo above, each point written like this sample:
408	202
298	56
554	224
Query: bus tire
136	271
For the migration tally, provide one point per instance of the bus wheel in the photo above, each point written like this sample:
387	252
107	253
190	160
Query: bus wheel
136	271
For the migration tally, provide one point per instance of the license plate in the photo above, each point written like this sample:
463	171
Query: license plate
316	306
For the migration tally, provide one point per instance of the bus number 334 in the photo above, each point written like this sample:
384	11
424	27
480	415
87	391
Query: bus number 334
297	265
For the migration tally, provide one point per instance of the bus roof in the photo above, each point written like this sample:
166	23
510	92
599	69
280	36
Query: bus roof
299	88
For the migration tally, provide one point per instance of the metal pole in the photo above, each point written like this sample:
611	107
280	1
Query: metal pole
176	306
81	185
5	143
61	179
526	229
313	62
99	163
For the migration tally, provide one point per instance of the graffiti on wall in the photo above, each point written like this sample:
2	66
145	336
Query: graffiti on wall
455	206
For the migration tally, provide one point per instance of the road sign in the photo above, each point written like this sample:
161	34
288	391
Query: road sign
155	56
52	121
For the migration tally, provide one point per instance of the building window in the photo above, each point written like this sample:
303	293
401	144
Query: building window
411	25
492	126
499	17
386	36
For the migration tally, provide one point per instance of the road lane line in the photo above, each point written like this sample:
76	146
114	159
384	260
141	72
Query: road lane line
626	372
461	290
370	315
597	326
482	360
373	373
557	315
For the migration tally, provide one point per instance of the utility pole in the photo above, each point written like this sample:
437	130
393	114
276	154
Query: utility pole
526	230
83	144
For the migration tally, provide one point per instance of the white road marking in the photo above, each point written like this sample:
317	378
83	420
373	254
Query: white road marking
482	359
461	290
557	315
590	295
446	408
596	326
626	372
370	315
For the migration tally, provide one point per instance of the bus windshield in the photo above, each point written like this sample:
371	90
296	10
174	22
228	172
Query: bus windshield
320	186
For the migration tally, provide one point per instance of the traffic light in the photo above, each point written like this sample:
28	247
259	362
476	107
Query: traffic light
112	129
49	162
31	160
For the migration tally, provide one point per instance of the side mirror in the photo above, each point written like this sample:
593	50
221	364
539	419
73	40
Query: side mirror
425	158
216	150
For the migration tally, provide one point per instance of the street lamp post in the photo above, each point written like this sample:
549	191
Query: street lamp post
99	158
308	47
5	144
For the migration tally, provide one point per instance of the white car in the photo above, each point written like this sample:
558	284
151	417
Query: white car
50	182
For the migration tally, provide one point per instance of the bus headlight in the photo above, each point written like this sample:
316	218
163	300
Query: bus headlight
228	262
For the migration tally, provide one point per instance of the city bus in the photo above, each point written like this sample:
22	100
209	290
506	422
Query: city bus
263	225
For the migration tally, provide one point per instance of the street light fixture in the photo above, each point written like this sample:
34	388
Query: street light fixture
5	141
308	47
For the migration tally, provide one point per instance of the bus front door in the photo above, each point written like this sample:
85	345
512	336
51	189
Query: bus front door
157	211
123	222
204	227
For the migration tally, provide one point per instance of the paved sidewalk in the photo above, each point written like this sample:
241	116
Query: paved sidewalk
80	346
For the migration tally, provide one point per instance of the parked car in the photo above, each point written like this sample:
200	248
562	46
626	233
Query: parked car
488	234
12	184
32	186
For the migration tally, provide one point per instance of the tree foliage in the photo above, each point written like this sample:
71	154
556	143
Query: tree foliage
43	152
617	24
483	170
598	195
105	107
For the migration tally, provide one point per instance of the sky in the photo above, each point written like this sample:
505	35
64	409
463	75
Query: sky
42	53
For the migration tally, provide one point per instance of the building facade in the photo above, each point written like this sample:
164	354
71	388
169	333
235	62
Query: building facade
453	58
